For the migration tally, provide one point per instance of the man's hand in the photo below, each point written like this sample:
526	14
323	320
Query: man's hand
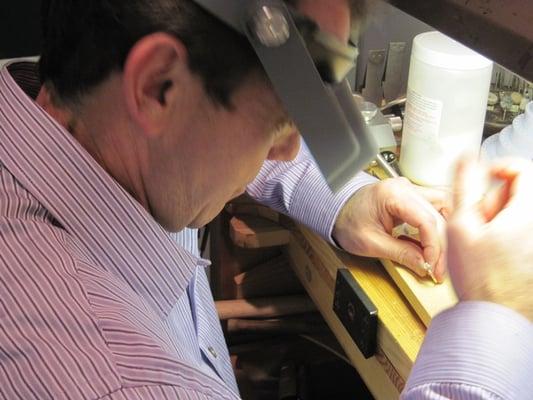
490	234
365	224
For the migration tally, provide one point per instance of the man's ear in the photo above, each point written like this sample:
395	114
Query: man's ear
154	76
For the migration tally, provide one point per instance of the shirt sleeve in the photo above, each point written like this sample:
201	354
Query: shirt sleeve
159	392
475	350
298	189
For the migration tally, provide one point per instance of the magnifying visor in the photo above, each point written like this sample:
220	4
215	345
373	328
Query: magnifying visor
307	68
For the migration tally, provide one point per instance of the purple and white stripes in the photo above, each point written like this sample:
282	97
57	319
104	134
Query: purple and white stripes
89	283
475	350
98	302
111	294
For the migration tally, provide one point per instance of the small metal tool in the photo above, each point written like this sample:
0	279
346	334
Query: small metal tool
429	271
383	163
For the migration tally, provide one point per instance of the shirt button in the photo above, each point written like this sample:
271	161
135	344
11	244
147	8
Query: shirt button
212	351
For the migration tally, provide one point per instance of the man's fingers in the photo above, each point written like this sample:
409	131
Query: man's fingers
430	224
495	200
477	199
440	268
440	199
517	175
469	188
510	167
403	252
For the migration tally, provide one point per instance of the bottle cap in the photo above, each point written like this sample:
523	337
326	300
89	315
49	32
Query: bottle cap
437	49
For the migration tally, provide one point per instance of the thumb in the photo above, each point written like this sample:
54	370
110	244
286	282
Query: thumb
470	185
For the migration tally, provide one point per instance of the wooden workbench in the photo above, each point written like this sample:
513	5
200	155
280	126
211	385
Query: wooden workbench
405	303
400	330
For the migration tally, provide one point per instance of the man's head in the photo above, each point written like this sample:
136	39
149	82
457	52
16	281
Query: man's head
173	103
85	41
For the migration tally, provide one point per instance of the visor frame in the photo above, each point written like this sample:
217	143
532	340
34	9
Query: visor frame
324	112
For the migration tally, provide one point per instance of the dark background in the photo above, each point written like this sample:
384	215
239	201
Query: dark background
20	28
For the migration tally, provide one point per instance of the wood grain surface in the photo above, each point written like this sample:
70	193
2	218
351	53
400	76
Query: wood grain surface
426	297
400	331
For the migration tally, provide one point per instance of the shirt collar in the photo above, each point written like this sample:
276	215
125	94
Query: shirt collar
114	228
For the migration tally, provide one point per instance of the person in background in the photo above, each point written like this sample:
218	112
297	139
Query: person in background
482	348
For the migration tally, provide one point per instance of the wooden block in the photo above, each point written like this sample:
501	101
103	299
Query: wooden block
274	277
245	205
264	307
400	332
426	297
298	324
385	373
256	232
230	260
253	209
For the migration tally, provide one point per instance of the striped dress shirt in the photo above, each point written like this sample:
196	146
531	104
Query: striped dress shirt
96	300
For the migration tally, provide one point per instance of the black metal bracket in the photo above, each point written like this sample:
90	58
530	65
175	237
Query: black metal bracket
501	30
356	311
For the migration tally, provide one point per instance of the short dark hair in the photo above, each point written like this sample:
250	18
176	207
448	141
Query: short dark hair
85	41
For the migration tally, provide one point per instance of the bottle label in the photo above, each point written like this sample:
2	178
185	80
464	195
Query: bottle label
422	115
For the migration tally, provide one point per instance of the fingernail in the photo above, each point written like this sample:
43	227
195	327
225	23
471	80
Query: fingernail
429	256
421	269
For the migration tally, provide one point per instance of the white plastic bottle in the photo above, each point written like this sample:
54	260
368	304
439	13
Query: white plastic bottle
447	95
